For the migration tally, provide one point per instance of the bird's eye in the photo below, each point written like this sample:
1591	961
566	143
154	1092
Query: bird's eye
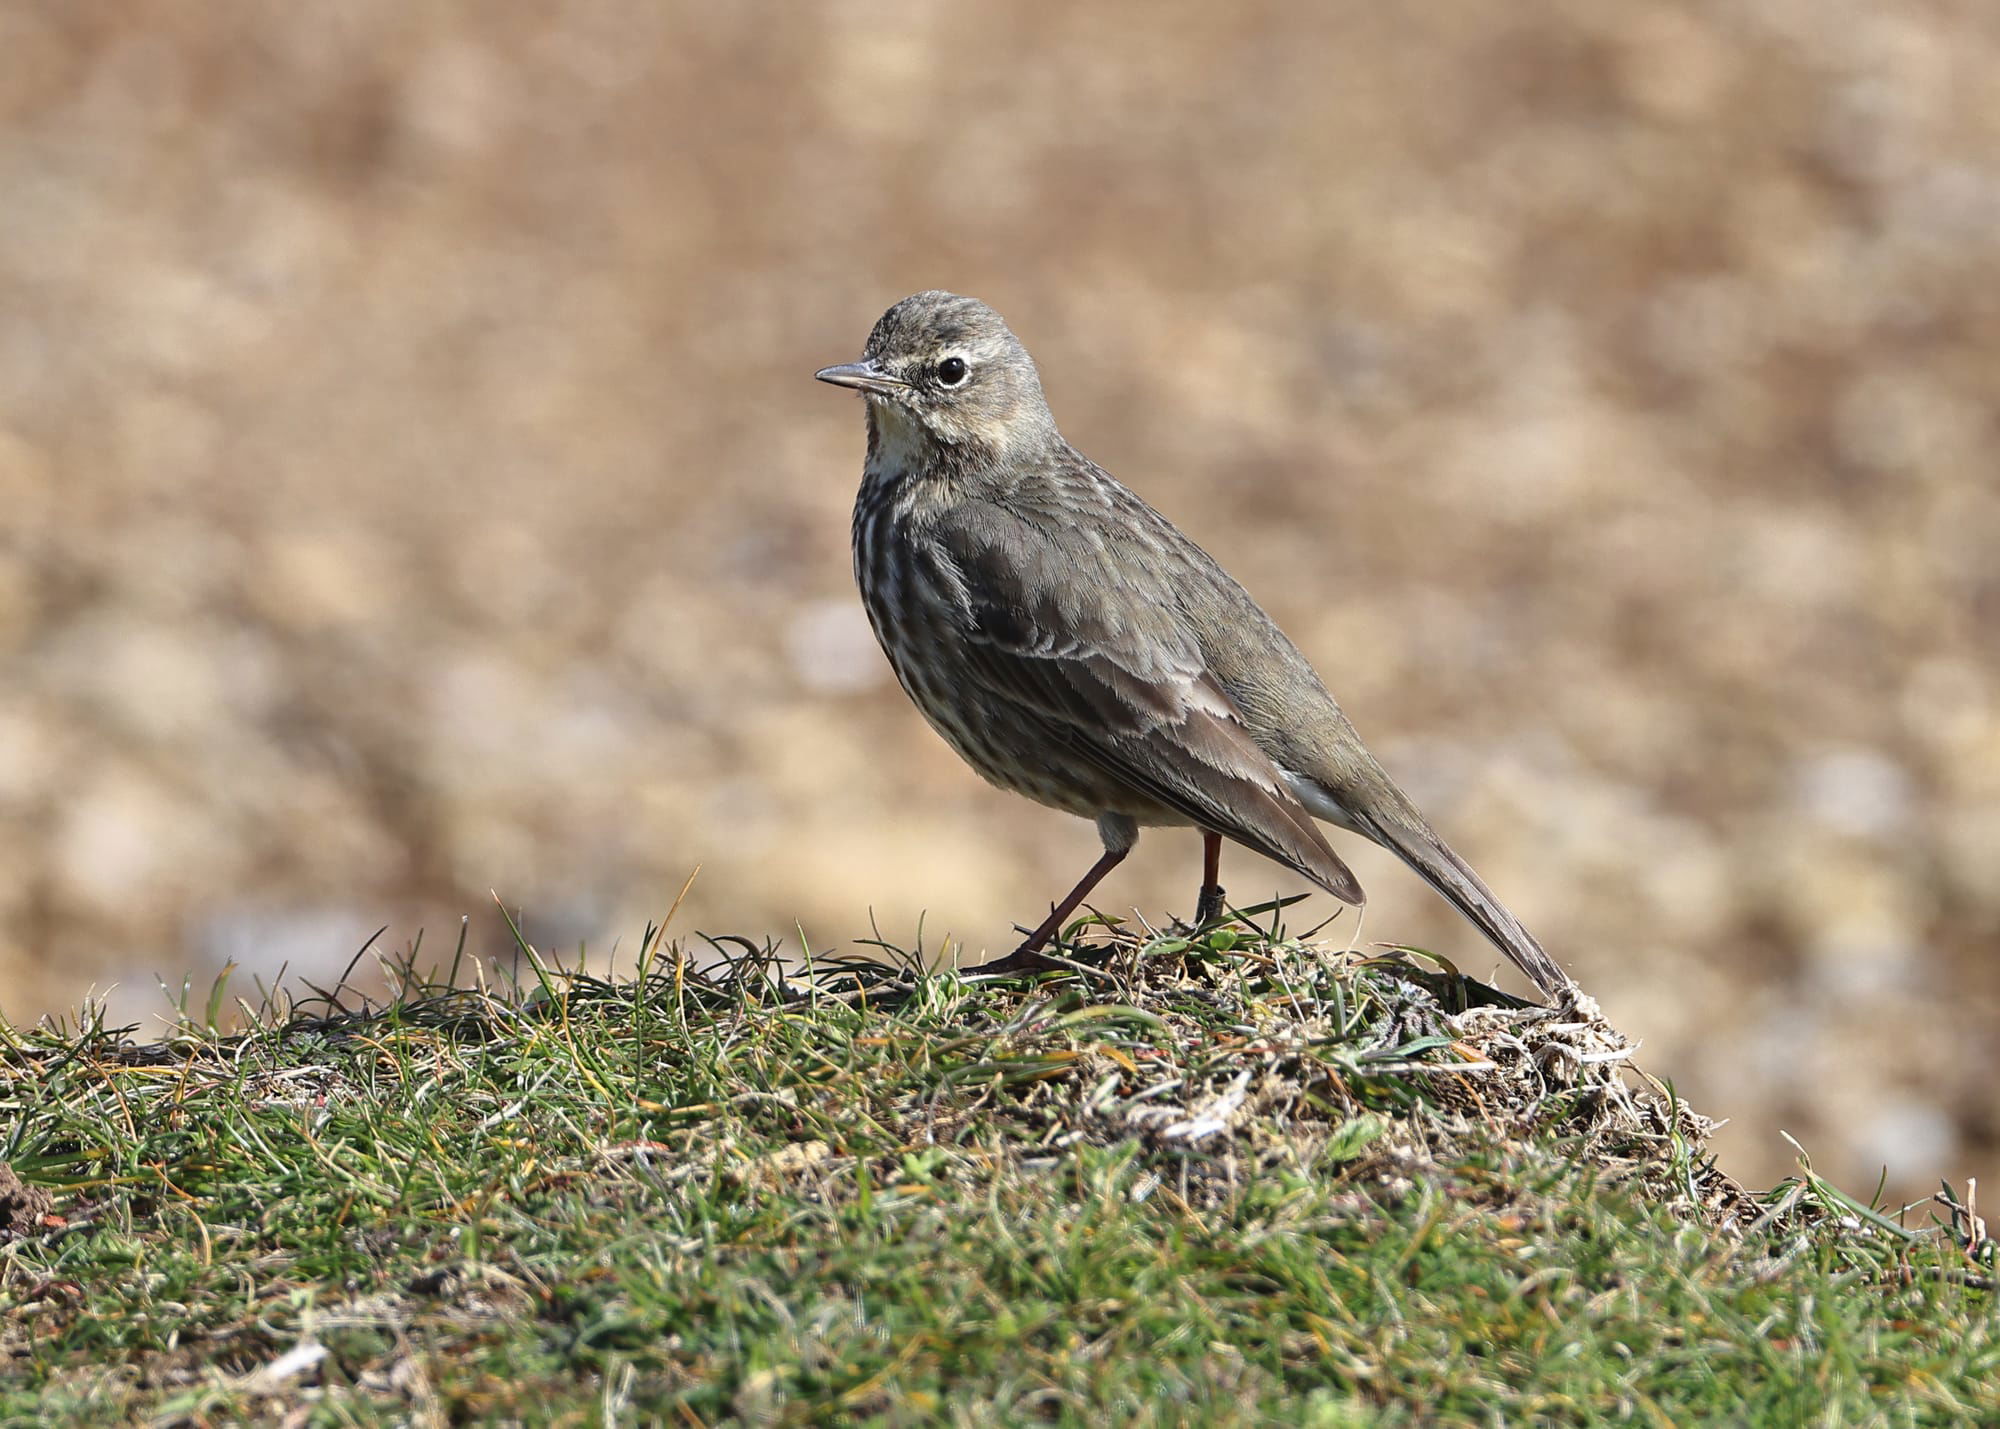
951	371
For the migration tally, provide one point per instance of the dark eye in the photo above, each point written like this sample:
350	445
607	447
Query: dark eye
951	371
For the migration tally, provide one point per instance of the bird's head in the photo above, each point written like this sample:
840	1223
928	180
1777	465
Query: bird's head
945	370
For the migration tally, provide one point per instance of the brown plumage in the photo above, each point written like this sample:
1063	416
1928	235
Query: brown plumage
1073	646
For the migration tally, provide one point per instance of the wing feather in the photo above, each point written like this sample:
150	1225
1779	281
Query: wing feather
1122	684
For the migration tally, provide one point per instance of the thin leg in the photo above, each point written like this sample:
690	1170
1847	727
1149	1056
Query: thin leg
1027	957
1209	906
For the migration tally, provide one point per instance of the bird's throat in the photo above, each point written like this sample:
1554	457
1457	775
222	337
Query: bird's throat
898	442
912	461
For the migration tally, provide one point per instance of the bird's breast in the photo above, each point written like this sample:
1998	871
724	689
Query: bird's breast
907	581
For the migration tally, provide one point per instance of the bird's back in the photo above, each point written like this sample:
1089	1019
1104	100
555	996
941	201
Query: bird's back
1283	702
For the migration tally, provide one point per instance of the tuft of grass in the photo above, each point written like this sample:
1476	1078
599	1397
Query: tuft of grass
1222	1175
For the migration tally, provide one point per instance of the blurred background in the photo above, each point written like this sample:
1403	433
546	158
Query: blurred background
412	483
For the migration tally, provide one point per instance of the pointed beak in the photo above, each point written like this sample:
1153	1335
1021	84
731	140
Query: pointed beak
864	376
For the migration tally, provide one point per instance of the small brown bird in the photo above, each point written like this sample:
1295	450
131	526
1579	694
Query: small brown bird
1073	646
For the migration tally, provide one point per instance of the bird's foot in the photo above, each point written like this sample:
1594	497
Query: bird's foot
1022	960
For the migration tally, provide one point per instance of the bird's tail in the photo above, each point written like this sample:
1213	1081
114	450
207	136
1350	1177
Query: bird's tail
1405	833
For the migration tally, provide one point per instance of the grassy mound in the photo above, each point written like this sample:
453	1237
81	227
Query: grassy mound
1236	1178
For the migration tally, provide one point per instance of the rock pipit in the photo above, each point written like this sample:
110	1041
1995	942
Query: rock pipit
1073	646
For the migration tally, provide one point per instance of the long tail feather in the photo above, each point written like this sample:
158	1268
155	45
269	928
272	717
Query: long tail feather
1411	839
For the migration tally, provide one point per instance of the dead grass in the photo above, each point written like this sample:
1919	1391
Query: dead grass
1227	1174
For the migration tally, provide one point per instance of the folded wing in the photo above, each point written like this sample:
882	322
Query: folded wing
1116	678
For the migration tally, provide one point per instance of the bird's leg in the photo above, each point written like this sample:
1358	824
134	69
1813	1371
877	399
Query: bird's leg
1208	907
1027	957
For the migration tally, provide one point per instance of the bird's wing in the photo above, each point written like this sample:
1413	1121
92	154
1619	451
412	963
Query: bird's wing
1104	667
